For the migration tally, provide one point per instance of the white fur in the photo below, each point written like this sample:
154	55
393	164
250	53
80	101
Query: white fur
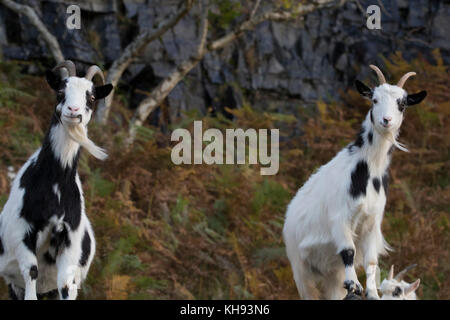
66	138
408	291
75	98
323	218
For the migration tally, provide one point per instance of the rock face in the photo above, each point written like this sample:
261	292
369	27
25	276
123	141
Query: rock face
276	67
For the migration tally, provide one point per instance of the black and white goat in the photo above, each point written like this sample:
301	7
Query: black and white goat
46	240
333	224
395	288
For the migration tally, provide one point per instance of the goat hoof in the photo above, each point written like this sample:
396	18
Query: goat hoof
353	287
372	296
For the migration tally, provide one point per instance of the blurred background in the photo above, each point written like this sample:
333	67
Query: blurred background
214	232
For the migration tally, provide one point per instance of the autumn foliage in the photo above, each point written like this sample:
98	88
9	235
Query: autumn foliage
214	232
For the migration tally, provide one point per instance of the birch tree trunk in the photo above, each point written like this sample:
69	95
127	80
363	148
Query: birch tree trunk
49	38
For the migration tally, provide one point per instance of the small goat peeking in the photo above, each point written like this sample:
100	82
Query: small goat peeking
46	240
395	288
333	224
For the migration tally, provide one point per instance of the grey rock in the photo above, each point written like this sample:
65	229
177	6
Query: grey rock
417	13
132	7
108	32
272	66
441	28
284	35
88	5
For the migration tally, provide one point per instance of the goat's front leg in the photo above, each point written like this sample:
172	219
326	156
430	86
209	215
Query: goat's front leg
346	249
29	269
68	278
351	282
369	244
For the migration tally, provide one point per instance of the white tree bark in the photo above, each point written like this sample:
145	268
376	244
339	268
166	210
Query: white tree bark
131	52
50	40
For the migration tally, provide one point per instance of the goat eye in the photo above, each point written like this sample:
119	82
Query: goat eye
401	105
375	101
397	292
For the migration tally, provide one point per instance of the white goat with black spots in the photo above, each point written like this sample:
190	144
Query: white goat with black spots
395	288
46	241
333	224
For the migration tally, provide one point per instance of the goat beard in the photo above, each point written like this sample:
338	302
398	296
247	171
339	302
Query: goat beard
392	138
78	133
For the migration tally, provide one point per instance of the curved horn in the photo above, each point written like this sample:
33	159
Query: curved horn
92	71
391	273
67	64
401	274
380	75
405	77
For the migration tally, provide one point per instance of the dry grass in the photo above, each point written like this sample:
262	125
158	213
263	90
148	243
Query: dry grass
214	232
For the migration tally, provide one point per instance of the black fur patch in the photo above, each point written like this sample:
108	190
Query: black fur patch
12	293
51	295
397	292
86	249
34	272
58	241
401	104
40	202
359	141
385	181
360	177
30	239
376	184
370	137
49	258
65	292
2	249
89	103
391	149
101	92
347	256
363	89
371	116
60	238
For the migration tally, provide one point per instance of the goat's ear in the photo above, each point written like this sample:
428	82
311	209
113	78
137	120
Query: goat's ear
103	91
415	98
53	80
412	287
363	89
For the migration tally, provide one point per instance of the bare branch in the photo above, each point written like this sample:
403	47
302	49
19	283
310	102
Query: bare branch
255	8
250	24
131	52
50	40
157	96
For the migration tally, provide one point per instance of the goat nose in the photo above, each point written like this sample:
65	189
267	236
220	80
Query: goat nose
74	109
387	119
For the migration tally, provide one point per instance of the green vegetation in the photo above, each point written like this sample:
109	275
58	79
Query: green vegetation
214	232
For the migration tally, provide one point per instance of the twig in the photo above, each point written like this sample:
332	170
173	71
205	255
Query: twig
50	39
131	52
